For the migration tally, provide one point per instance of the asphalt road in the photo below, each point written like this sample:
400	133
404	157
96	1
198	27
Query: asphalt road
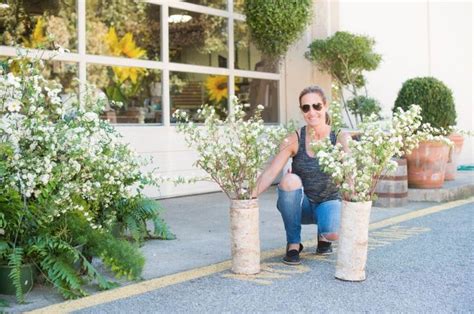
425	264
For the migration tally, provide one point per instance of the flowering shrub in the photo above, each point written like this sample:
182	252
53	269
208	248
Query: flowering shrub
63	153
232	151
62	167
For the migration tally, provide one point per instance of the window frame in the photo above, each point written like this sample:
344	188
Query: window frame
165	66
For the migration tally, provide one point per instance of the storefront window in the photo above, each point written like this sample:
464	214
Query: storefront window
189	91
239	6
136	90
217	4
130	31
259	92
197	38
247	56
39	24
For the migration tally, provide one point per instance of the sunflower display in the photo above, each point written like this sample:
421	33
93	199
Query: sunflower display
125	47
38	38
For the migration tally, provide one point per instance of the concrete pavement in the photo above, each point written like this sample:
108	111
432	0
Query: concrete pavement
201	224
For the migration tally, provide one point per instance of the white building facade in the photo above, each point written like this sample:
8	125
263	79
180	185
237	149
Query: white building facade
164	55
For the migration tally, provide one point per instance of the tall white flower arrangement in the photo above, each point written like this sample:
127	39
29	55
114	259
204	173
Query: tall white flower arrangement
231	150
357	171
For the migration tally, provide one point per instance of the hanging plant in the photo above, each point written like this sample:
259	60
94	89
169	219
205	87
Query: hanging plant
275	25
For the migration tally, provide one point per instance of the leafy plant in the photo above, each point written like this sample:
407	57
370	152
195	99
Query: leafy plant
133	214
275	25
434	98
362	106
345	57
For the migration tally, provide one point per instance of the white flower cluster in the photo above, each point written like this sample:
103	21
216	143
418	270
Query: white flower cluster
64	157
234	150
335	113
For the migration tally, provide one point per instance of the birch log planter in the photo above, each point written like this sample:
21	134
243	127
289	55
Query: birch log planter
353	241
245	236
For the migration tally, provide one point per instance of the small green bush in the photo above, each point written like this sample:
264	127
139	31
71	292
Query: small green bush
275	25
434	98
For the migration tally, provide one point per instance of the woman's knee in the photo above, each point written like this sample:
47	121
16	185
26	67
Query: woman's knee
290	182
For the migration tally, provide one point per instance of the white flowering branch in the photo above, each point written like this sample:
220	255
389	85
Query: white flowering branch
232	151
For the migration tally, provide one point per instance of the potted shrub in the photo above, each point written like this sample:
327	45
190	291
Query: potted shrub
271	20
61	168
427	163
232	151
392	189
346	57
356	173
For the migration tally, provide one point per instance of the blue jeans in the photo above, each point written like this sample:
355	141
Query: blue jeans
296	209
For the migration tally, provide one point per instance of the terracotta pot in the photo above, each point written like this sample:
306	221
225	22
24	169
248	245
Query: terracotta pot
392	189
245	237
353	241
454	153
427	165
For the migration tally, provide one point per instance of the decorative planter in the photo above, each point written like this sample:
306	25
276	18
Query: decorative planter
427	165
353	241
245	238
26	279
454	153
392	189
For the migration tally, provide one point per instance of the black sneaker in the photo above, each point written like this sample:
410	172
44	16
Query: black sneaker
324	248
292	257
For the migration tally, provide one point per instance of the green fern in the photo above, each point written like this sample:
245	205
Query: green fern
135	212
15	259
56	260
92	273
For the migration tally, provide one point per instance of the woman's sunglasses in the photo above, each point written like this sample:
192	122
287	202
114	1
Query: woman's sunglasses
305	108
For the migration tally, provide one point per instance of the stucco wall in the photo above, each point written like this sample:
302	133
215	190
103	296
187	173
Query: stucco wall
418	38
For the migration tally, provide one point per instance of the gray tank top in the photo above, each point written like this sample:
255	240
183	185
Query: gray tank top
317	185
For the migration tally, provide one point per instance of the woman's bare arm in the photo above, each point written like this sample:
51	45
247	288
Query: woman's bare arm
288	148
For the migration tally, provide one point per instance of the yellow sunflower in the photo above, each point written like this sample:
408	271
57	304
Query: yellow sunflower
37	38
123	73
217	87
125	47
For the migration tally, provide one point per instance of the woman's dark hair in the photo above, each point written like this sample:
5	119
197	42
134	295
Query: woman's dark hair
313	89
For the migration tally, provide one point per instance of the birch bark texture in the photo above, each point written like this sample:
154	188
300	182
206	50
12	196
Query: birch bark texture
353	241
245	236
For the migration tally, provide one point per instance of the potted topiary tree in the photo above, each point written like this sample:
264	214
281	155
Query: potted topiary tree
346	57
427	163
275	25
232	151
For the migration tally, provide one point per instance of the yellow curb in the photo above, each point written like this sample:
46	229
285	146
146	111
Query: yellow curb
157	283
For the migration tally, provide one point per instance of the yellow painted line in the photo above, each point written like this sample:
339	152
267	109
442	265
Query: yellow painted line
418	213
157	283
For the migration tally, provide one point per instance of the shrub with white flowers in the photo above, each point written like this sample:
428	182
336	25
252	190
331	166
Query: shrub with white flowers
65	179
357	171
234	150
65	157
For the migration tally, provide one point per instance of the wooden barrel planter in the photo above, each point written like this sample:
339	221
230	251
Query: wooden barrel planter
455	152
427	165
392	189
